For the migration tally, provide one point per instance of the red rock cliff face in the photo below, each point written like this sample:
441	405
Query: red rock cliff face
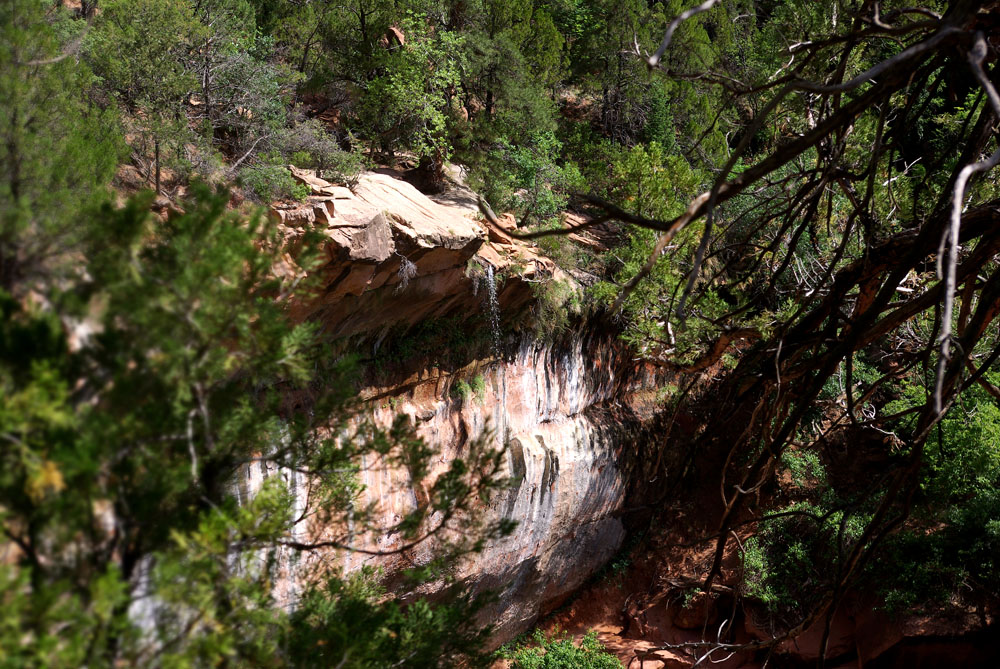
554	408
396	257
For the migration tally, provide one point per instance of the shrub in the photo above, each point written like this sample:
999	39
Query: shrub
560	653
461	390
555	302
528	178
307	144
803	466
271	182
562	249
793	559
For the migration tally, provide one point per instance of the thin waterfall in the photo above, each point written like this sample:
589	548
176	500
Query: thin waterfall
499	419
494	308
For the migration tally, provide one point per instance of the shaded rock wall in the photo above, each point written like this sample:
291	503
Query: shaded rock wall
561	412
562	409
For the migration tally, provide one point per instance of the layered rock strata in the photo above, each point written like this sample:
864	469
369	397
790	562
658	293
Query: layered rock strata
558	410
396	257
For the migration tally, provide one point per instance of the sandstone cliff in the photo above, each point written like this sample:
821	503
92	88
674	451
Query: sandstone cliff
561	406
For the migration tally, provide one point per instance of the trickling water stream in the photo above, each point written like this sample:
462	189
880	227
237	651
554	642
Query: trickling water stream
494	308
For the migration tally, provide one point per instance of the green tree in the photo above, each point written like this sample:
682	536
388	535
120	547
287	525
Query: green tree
148	368
849	297
120	489
408	106
58	146
528	178
515	61
242	91
139	50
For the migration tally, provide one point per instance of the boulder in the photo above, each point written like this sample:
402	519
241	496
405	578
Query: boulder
371	242
507	222
498	236
323	208
340	192
294	215
308	177
386	234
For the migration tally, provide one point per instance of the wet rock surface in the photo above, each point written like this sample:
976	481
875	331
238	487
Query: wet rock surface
562	408
562	412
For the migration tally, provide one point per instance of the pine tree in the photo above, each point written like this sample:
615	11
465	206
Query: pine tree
58	146
146	366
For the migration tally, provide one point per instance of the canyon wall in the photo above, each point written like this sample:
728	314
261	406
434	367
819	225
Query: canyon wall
555	407
569	409
566	408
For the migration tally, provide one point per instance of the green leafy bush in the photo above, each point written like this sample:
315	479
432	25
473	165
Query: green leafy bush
461	390
959	497
555	303
478	386
789	562
272	182
405	107
557	652
803	466
465	390
529	179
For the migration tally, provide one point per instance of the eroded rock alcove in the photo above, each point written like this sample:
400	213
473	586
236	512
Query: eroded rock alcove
566	407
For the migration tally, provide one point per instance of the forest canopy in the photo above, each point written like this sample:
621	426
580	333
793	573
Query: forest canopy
801	201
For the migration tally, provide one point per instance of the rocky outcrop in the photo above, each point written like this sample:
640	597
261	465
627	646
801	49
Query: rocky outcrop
396	256
561	409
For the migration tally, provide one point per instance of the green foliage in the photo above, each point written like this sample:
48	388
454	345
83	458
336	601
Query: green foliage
338	620
272	182
192	77
804	466
478	386
464	389
655	185
146	423
307	144
140	52
557	652
959	498
951	542
58	146
659	124
406	107
139	48
793	558
528	178
461	390
964	461
556	302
